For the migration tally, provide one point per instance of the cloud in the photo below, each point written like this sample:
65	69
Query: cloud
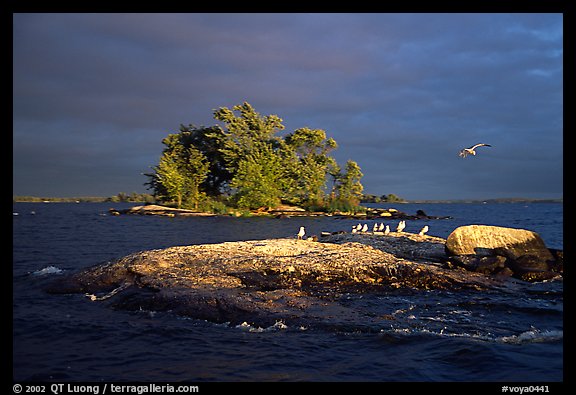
400	93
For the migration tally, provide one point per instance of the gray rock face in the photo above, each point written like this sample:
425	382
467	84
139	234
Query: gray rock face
266	280
301	282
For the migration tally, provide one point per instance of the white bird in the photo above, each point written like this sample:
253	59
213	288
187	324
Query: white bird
471	151
381	227
301	233
365	228
387	230
423	230
375	228
354	230
401	226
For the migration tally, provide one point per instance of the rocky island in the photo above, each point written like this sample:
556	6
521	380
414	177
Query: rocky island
302	281
279	211
155	209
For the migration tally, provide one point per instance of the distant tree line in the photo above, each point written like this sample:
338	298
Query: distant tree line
120	197
390	198
246	164
39	199
131	198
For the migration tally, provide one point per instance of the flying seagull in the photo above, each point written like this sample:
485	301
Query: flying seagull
470	151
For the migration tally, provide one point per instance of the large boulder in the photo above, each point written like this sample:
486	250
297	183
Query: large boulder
497	250
495	240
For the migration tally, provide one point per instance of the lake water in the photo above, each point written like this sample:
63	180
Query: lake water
434	336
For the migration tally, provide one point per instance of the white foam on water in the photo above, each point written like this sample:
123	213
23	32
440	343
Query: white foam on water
533	336
248	328
278	325
94	298
149	313
47	270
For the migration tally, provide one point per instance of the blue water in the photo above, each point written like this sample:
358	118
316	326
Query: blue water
433	336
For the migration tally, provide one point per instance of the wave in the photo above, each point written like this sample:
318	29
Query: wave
278	325
47	271
531	336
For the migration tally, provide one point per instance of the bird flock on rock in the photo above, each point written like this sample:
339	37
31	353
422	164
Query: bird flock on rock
377	229
385	229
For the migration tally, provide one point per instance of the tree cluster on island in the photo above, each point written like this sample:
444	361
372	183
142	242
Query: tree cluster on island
245	164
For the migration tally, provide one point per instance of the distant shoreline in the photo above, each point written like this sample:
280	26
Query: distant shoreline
99	199
120	198
486	201
30	199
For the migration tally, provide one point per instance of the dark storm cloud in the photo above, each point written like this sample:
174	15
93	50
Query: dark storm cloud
94	94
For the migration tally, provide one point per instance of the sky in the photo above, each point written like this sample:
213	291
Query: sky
402	94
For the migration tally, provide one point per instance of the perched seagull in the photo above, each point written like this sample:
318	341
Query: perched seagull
470	151
401	226
387	230
354	230
365	228
381	227
301	233
423	230
375	229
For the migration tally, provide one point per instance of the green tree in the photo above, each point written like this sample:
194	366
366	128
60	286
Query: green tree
256	158
209	141
392	198
369	198
170	179
180	173
245	132
258	179
245	162
311	165
348	186
195	168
